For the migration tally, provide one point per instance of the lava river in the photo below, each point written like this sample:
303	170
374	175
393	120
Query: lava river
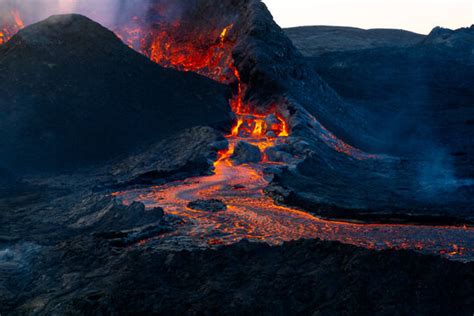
253	215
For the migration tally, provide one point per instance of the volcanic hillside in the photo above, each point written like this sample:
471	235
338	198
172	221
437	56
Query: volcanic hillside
317	40
423	93
72	94
413	103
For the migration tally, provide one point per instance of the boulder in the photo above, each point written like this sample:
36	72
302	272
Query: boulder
117	217
276	154
246	153
213	205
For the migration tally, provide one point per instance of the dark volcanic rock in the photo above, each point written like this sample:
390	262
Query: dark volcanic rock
130	237
411	99
246	153
116	216
208	205
278	154
303	277
375	190
187	153
318	40
73	94
413	103
462	38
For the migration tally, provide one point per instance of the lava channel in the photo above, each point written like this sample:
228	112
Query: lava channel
253	215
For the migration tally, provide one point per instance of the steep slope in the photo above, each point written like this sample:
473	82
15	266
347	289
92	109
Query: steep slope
317	40
73	94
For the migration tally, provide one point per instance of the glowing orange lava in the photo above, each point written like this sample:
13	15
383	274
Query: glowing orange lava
10	26
253	215
174	45
210	54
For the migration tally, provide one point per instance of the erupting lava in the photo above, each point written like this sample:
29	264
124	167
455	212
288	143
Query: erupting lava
171	44
209	53
10	26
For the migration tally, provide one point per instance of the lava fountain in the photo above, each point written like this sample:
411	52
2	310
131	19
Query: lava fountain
10	25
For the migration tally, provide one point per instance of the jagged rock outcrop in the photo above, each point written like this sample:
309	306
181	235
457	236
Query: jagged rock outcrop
213	206
190	152
462	38
246	153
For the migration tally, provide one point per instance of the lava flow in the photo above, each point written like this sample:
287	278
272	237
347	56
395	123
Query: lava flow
253	215
209	53
250	213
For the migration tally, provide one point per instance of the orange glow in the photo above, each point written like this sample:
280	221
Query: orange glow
10	26
209	54
236	101
235	129
172	45
259	128
224	33
284	128
253	215
18	21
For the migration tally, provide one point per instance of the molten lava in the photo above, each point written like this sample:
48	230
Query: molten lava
185	47
172	45
10	26
253	215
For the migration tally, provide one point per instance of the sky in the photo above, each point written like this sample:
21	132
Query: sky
414	15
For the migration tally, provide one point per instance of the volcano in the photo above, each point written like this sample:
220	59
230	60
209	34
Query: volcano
74	94
170	157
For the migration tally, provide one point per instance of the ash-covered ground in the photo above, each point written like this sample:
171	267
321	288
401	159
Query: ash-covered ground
272	147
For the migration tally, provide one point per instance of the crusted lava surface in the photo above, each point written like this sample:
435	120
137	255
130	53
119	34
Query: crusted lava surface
303	277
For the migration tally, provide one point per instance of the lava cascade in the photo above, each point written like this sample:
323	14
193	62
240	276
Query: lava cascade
208	52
